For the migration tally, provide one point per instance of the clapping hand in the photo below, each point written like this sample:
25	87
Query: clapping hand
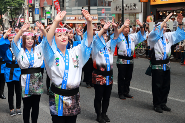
139	23
179	18
127	23
25	27
59	17
113	24
106	26
40	26
87	15
8	32
79	32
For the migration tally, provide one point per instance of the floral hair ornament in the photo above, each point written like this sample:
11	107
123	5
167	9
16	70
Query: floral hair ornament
37	34
61	30
11	35
28	34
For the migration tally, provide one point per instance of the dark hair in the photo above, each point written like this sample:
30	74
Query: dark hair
85	29
24	42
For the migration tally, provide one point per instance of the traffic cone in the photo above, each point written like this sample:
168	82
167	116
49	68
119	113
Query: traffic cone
134	56
116	51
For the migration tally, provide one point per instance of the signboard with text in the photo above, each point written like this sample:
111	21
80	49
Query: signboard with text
156	2
80	18
130	6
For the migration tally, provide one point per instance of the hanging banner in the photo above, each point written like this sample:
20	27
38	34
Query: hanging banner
155	2
18	20
143	0
57	6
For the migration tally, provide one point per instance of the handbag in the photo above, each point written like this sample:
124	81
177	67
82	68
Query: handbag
149	71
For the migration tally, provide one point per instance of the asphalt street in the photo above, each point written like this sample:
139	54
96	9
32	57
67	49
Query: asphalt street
136	110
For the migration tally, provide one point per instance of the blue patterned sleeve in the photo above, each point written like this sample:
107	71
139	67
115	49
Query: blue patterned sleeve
78	37
155	34
98	44
113	44
85	50
39	39
140	38
49	51
16	48
178	36
4	44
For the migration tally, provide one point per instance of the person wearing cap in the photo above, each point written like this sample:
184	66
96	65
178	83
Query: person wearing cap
11	72
30	60
64	67
160	42
125	62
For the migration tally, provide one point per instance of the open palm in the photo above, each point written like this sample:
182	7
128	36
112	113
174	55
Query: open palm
86	15
25	27
127	22
59	17
106	26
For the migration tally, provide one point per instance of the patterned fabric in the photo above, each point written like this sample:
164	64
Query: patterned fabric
171	38
135	38
101	80
35	85
71	104
99	61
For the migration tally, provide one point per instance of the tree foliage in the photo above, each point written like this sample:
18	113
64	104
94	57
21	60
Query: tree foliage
13	6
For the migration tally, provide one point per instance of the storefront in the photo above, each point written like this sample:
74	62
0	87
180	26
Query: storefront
133	10
71	20
160	9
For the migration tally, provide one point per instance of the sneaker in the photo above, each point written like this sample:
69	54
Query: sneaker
12	113
18	111
158	109
128	96
105	117
122	97
100	119
165	108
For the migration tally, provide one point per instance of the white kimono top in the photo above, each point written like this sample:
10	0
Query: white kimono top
99	61
36	81
171	38
55	67
135	38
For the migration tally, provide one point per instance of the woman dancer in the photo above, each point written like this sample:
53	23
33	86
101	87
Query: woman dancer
30	60
64	68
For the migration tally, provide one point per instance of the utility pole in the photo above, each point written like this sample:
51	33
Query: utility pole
89	6
122	11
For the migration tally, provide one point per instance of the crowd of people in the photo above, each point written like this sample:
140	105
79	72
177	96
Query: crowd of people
66	53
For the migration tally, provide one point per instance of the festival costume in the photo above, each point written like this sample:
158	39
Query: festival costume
161	50
65	74
102	76
126	47
11	72
31	78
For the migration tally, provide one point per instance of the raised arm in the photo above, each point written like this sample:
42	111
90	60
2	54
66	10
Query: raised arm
179	20
141	26
24	28
126	23
8	32
105	27
166	20
89	26
41	27
51	32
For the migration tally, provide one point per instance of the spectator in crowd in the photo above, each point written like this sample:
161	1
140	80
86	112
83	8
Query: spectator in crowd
174	23
182	48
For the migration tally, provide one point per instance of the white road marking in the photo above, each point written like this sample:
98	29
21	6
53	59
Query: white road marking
149	92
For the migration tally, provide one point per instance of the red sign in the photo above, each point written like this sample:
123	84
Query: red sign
57	6
143	1
103	11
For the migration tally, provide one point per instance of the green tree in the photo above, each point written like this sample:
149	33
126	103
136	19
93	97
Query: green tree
13	6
